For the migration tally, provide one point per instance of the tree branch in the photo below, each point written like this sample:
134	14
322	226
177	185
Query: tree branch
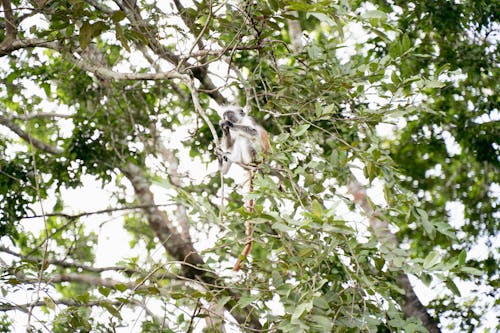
66	264
183	250
101	211
10	23
112	75
68	302
42	115
172	170
28	138
7	48
199	72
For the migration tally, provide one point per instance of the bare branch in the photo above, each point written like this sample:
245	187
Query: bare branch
112	75
201	111
199	72
4	307
68	302
99	6
7	48
28	138
66	264
10	24
229	49
42	115
101	211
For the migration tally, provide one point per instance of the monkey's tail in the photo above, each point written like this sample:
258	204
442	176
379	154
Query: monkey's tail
249	228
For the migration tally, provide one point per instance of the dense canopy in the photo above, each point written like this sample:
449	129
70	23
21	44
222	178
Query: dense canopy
375	211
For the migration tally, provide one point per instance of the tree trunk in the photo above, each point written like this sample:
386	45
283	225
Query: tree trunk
412	307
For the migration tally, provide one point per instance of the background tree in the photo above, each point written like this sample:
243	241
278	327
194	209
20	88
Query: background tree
123	95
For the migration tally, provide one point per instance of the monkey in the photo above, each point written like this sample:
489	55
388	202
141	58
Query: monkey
242	141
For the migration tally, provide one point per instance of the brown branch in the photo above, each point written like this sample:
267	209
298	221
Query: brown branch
107	73
87	268
28	138
7	48
412	306
172	241
10	23
101	211
99	6
172	170
228	49
199	72
42	115
4	307
78	278
183	250
67	302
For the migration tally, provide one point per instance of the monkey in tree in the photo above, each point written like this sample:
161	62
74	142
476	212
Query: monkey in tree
243	140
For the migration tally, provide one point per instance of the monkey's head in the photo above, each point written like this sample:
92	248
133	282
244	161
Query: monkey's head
233	115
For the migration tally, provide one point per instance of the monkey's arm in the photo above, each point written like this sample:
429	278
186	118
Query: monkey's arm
248	131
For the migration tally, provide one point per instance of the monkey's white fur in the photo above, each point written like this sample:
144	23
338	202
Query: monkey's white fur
242	139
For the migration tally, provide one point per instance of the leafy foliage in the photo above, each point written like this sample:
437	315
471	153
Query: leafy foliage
399	95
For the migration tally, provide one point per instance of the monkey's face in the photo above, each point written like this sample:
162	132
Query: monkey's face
233	116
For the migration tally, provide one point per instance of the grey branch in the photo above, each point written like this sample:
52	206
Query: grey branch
4	307
112	75
68	302
66	264
7	48
28	138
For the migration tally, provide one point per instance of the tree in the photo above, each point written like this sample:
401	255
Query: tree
101	92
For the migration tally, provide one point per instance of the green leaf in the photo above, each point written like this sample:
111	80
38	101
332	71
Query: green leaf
424	218
104	291
322	17
434	84
49	302
118	16
85	35
395	78
406	42
274	4
316	208
453	287
374	14
246	299
121	37
97	28
432	259
471	270
426	279
462	257
325	323
111	309
120	287
299	310
299	130
282	227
